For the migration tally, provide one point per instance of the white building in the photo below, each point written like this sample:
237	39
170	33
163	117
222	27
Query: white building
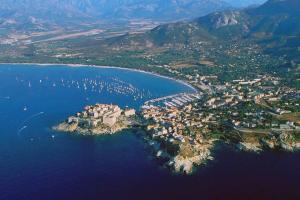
129	112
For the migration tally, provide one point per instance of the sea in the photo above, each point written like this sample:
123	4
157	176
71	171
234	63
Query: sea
37	163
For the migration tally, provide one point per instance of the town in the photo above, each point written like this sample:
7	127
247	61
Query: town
249	114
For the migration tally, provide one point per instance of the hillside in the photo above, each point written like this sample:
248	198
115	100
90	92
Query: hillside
21	19
275	25
75	11
226	44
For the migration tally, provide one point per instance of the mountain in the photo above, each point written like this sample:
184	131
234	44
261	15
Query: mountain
274	25
272	19
166	10
27	16
255	40
60	10
244	3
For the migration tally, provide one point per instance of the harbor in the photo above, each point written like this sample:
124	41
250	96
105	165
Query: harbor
176	100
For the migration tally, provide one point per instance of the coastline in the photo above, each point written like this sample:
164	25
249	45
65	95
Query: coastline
190	151
108	67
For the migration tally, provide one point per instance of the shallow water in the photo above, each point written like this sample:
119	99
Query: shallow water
37	163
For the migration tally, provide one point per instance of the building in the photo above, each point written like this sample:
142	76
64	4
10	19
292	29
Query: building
109	120
72	120
129	112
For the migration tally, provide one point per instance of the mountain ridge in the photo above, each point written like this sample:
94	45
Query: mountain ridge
275	25
154	9
254	21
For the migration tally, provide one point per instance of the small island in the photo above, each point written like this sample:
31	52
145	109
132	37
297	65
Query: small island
99	119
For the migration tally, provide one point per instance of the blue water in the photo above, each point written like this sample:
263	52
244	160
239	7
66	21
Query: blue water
37	163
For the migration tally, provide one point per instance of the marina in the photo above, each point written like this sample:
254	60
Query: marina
177	100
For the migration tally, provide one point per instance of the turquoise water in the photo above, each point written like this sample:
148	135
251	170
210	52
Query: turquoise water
37	163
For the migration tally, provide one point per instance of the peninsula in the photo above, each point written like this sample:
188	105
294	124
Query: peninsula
252	114
98	119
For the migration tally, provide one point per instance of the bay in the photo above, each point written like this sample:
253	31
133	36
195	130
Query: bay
37	163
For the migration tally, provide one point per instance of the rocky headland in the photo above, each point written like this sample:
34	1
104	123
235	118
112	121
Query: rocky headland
98	119
179	139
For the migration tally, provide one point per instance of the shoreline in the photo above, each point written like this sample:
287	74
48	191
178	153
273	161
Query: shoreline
109	67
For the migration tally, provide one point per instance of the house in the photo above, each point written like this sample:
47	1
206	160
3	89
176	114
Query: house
109	120
95	123
72	120
84	114
95	114
129	112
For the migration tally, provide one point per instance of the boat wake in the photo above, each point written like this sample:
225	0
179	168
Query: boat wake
23	126
7	97
21	129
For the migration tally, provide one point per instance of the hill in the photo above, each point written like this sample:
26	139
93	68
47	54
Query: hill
275	25
227	44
